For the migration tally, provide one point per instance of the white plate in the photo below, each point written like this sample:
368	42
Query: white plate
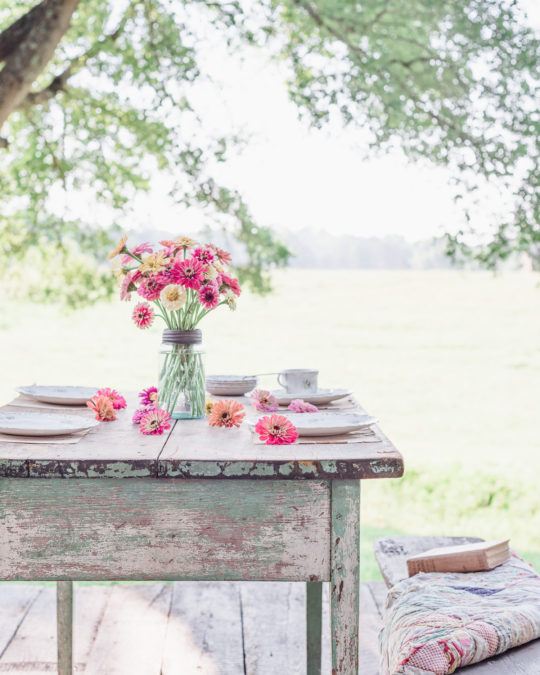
62	395
320	396
324	423
42	424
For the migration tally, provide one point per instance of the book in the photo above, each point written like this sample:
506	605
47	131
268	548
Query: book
483	555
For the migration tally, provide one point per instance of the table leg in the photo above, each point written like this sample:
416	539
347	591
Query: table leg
345	576
313	626
64	623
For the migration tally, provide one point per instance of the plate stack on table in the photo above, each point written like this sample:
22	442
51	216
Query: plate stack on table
230	385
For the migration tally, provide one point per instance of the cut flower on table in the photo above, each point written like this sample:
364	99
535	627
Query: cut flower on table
103	408
276	430
301	406
264	401
226	413
155	421
118	401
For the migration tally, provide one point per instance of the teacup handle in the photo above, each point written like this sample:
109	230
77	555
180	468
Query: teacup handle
280	382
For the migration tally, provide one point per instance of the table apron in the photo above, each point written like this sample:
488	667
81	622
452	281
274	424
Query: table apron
54	529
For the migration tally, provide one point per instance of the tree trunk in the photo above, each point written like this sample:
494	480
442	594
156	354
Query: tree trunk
44	27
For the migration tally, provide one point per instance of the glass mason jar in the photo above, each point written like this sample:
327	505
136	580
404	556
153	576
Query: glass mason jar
181	387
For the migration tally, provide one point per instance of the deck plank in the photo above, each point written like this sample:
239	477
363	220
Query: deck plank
35	639
274	622
131	635
204	633
370	623
15	602
189	628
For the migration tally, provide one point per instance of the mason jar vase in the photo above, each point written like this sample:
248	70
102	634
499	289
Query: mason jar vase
181	386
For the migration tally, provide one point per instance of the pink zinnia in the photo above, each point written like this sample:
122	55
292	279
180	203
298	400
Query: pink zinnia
276	430
138	251
149	396
230	283
204	255
141	412
223	256
151	288
155	422
188	273
209	296
264	401
143	315
301	406
117	400
127	286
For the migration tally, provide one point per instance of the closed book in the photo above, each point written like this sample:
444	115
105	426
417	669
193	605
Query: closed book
483	555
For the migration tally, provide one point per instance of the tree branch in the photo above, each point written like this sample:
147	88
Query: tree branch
30	57
13	35
58	83
318	19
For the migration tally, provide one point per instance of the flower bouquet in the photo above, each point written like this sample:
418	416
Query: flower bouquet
184	282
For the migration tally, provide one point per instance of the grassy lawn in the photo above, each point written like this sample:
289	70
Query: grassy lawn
449	361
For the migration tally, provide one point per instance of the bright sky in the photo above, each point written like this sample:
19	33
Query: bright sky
294	177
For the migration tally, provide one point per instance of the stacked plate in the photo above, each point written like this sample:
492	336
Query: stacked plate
230	385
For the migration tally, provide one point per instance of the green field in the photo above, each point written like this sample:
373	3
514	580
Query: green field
449	361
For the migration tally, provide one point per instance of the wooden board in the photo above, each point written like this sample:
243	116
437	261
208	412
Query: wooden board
34	641
212	628
132	631
391	553
166	529
16	602
196	450
112	449
192	449
204	631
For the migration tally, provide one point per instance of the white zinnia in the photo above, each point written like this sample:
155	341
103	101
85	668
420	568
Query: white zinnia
230	298
173	297
211	273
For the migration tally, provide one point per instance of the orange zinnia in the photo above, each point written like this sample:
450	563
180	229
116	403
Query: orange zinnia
118	248
103	408
226	414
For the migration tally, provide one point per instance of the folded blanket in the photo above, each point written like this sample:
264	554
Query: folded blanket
435	623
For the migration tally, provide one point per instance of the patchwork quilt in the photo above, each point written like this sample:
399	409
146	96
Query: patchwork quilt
434	623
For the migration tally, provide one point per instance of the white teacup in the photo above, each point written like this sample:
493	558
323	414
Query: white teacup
298	380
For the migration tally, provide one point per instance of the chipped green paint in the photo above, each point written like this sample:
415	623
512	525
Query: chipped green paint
278	469
64	626
313	627
345	576
92	469
13	468
164	529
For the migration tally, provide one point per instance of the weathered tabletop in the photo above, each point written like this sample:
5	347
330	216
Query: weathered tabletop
199	503
193	449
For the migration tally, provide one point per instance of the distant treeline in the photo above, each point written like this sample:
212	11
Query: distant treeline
315	249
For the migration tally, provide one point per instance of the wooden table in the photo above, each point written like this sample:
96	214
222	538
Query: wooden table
197	504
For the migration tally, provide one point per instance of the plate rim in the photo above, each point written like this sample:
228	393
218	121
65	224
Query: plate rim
83	423
45	398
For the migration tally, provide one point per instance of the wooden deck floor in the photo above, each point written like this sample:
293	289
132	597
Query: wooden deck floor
182	629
